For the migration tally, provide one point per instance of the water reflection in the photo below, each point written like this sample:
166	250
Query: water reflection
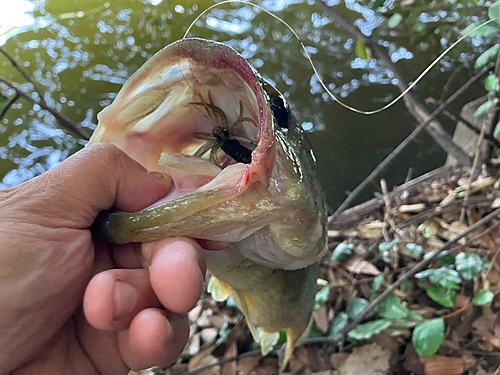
80	53
15	18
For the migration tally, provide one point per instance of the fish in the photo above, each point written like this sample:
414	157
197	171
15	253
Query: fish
243	172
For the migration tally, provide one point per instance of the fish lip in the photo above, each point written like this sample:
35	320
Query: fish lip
218	55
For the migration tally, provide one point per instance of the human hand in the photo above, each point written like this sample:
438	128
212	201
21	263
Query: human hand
133	295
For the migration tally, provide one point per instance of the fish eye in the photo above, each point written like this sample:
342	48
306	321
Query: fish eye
278	104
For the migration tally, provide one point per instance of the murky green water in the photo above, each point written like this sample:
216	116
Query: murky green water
81	52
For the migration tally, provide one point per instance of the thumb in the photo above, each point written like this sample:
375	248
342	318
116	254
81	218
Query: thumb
94	179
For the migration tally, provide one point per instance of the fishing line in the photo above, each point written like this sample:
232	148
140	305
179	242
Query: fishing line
347	106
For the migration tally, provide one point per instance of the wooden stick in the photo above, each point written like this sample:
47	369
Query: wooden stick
414	105
63	120
354	194
24	74
9	104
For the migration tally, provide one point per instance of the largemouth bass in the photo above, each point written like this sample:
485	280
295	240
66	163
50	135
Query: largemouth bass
243	173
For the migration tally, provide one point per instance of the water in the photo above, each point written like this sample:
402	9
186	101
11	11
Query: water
80	53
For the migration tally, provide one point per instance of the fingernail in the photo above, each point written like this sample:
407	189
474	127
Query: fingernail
125	299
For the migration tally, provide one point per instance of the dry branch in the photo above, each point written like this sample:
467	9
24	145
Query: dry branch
414	105
63	120
9	104
353	195
24	74
415	269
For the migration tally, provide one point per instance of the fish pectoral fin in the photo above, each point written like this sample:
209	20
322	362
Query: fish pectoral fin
219	290
267	340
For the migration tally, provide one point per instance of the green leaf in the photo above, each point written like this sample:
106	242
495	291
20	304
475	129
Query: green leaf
338	324
342	252
223	333
470	264
486	56
483	297
355	306
415	249
445	276
450	284
367	330
377	283
362	51
415	316
377	4
494	12
392	308
497	129
483	31
386	246
394	21
322	296
444	296
483	108
314	332
419	26
428	336
491	83
445	259
407	284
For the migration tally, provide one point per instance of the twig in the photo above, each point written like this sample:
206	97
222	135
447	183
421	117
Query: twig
387	213
223	362
435	211
63	120
414	270
311	340
354	194
459	311
446	87
24	74
9	104
473	170
415	107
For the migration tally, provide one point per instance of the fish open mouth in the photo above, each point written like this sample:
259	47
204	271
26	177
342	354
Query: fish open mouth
196	106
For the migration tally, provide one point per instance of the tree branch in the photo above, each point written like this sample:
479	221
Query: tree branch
63	120
24	74
9	104
415	107
367	310
414	270
353	195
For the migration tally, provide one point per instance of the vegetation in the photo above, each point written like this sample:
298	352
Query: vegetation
412	279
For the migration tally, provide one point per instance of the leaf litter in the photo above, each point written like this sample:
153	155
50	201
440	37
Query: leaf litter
444	320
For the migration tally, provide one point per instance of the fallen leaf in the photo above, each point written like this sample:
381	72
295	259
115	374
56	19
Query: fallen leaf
195	313
194	344
441	365
230	367
370	228
321	319
412	362
246	366
204	359
369	359
357	265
